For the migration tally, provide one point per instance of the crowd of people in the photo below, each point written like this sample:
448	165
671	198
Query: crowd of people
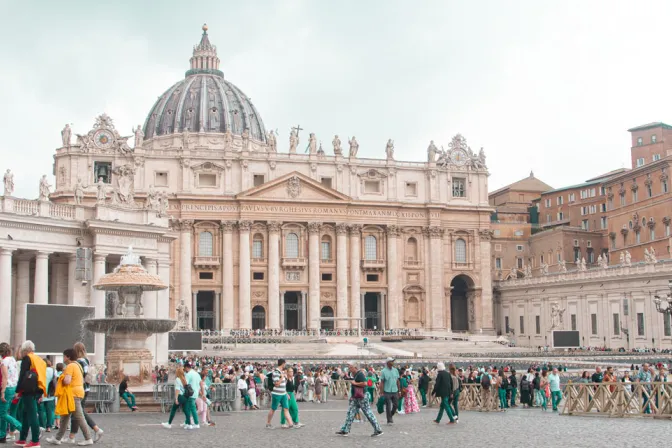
37	398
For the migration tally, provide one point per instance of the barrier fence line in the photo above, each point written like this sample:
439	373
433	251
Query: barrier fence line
101	396
619	399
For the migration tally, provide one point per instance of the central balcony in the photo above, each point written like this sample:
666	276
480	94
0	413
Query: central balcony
206	262
373	265
299	263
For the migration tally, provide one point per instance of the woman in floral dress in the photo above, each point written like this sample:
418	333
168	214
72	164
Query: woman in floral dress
410	400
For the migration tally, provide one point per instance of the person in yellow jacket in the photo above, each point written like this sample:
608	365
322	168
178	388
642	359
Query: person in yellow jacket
69	394
32	386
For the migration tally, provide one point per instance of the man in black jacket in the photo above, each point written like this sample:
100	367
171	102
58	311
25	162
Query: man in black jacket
423	385
513	383
443	388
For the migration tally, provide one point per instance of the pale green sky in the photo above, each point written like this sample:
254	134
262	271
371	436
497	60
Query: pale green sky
548	86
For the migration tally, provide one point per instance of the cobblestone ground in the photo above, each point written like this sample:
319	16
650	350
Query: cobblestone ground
515	427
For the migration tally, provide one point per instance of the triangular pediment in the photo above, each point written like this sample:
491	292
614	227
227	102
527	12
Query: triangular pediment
294	187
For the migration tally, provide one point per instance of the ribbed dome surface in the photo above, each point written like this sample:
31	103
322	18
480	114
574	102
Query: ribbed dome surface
204	101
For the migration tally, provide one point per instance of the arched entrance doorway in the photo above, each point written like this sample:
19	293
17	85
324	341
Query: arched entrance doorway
327	311
258	318
459	303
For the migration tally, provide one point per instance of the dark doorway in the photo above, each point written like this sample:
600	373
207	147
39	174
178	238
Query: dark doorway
371	311
205	310
292	310
258	318
459	303
327	311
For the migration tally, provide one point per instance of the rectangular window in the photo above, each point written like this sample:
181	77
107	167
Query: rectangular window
541	260
640	141
497	232
591	257
613	243
160	179
577	253
259	179
592	193
603	207
371	186
593	324
206	275
637	237
585	225
561	216
459	188
519	262
593	209
640	162
327	277
102	170
649	191
207	180
548	203
571	197
622	199
656	157
257	249
663	186
537	324
617	324
518	233
506	324
257	276
498	263
603	191
548	218
411	189
640	324
572	318
559	200
603	222
326	181
519	248
584	194
667	324
653	138
522	325
371	277
652	234
667	230
326	250
559	256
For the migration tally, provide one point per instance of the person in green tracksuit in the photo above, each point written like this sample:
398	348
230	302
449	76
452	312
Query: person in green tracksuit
403	384
503	385
180	399
372	379
292	385
423	386
193	380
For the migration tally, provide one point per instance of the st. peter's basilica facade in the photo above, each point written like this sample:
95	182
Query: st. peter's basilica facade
270	237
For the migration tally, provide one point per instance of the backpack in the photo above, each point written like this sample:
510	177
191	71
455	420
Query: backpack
269	382
84	364
51	387
504	383
485	381
524	384
29	383
188	390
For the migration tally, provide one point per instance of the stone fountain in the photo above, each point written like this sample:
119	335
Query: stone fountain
128	330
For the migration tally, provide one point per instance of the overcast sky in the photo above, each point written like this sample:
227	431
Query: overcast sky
544	86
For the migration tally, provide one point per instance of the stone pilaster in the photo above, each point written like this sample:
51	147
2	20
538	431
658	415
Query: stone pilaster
186	227
41	291
227	275
341	275
149	304
436	278
98	301
22	298
314	275
163	311
484	305
355	270
274	275
244	299
393	301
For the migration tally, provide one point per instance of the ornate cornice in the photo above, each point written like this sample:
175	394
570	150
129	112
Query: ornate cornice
341	228
274	226
393	231
244	226
314	227
227	226
666	220
44	228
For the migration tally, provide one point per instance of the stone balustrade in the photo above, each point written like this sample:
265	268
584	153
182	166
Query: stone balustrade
45	209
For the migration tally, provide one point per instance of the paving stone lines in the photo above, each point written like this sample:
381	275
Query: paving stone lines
515	427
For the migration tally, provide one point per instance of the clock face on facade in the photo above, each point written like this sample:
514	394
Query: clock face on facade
103	139
459	157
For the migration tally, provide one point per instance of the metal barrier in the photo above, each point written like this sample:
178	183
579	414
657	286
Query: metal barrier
164	394
101	396
222	396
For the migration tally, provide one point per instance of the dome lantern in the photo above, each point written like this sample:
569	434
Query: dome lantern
204	58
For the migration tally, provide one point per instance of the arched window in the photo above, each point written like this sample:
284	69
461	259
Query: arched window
258	246
205	244
325	252
370	248
258	318
412	249
327	311
292	246
460	251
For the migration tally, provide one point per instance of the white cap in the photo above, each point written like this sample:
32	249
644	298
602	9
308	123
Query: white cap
390	359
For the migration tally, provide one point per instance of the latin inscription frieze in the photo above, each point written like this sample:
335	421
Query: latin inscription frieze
301	209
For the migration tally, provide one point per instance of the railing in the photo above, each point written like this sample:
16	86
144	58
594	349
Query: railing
373	264
412	263
101	396
619	399
260	261
62	211
290	262
26	207
326	261
206	261
222	396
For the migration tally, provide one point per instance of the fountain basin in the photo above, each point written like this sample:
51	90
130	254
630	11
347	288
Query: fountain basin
127	325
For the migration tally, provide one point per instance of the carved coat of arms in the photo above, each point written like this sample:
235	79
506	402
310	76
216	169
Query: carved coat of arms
294	187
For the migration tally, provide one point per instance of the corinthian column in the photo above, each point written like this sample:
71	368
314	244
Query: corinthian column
341	275
436	277
355	309
227	277
22	298
274	275
392	277
150	305
163	311
244	311
6	294
98	301
314	275
41	292
186	227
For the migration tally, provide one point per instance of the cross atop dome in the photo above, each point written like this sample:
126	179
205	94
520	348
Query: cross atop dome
204	58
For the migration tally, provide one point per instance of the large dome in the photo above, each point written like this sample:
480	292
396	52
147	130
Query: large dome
204	101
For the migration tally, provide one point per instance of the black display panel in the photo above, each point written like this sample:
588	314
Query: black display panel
566	339
185	341
53	328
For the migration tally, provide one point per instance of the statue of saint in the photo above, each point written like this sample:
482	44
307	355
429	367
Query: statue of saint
389	150
101	193
563	266
185	138
293	141
182	316
556	316
320	151
481	158
628	259
8	178
79	191
354	146
337	145
583	264
44	188
272	143
214	118
151	202
228	139
139	136
188	118
246	138
66	135
432	151
652	256
621	259
312	144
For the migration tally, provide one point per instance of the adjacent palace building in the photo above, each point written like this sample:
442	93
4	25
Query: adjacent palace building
252	234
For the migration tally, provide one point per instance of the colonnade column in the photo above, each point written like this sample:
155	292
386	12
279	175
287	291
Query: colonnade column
314	275
227	276
163	311
194	309
41	292
341	275
149	304
22	298
218	311
244	311
303	310
392	273
484	309
98	301
355	308
436	277
6	292
186	227
274	275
